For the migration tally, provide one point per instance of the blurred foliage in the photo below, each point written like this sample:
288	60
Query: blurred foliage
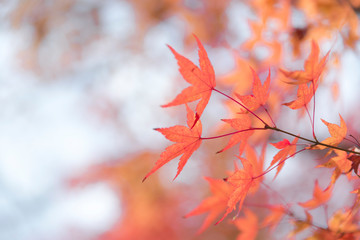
62	35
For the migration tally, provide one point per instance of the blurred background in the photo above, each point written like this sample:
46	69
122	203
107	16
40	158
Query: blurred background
81	84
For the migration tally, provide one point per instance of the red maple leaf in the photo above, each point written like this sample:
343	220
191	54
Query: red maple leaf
287	149
355	161
241	123
188	140
202	80
260	93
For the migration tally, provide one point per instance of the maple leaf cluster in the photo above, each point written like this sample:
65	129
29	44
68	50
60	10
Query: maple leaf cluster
254	114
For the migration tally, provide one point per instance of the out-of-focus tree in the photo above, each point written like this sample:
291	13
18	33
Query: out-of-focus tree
71	38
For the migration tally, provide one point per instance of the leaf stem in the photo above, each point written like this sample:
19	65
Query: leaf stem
355	140
232	133
312	141
267	112
281	162
242	105
313	118
308	113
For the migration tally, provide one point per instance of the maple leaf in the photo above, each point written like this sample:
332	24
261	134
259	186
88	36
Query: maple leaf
257	164
338	133
343	222
304	95
287	149
260	93
188	140
319	197
312	68
301	225
238	78
215	204
202	80
257	28
341	164
356	204
355	161
241	180
273	219
244	180
243	122
247	225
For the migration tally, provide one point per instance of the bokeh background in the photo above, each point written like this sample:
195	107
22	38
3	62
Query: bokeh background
81	84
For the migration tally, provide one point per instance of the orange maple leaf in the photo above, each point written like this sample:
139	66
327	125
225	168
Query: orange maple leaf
304	95
273	219
260	93
248	226
241	180
319	197
215	204
188	140
256	162
301	225
243	122
244	180
202	80
257	28
312	68
340	163
287	149
338	133
343	222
